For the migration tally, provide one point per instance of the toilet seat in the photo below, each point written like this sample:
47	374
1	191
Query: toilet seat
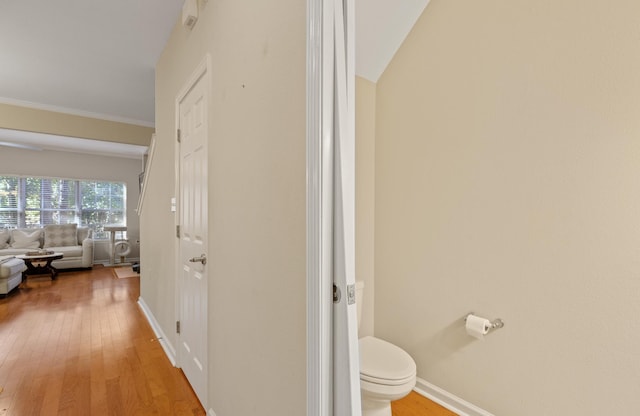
384	363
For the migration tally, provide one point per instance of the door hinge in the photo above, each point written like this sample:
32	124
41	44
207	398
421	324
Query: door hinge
351	294
179	135
178	231
336	294
177	327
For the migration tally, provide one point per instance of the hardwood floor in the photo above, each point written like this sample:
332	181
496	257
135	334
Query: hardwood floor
79	345
417	405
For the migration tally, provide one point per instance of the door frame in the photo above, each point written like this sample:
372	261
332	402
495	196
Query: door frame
319	208
202	73
327	94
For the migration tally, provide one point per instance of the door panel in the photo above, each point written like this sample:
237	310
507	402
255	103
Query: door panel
193	237
333	373
346	389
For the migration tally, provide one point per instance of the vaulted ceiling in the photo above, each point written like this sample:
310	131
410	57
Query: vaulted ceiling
88	56
97	58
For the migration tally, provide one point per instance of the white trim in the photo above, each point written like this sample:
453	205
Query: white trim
145	178
203	69
169	350
448	400
74	112
319	214
346	373
331	342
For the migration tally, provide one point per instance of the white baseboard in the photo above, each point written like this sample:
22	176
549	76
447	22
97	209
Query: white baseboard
448	400
157	329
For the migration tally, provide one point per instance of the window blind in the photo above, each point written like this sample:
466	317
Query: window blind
9	198
36	201
50	201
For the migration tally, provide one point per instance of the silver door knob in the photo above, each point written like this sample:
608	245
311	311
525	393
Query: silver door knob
202	259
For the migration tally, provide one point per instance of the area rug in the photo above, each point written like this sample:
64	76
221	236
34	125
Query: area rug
124	272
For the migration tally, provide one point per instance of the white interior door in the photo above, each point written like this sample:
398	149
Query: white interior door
345	320
193	214
333	372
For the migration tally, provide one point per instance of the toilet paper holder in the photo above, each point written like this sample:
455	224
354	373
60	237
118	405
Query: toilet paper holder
495	324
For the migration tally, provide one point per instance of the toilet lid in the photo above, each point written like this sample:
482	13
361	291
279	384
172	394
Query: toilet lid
384	363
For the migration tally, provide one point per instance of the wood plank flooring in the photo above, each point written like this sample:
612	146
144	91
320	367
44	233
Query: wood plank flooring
417	405
79	345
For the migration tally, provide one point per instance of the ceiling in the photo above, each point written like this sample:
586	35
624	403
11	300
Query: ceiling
90	56
381	27
96	58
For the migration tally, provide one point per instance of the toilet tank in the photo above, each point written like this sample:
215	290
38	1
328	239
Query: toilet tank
359	298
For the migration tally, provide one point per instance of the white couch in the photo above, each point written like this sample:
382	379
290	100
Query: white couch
75	243
10	273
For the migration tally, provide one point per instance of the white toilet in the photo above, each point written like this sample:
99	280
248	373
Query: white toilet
387	372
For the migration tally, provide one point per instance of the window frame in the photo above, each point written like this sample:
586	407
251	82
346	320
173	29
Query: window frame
77	211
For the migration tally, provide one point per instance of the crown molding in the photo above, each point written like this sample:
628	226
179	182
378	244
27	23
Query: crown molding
74	112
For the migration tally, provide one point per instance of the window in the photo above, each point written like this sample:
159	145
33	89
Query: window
31	202
102	203
48	201
8	201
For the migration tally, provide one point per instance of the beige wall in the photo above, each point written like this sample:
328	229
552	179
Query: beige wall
49	122
365	193
257	283
507	166
80	166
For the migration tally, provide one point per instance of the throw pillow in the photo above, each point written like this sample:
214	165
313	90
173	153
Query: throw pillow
5	235
61	235
26	238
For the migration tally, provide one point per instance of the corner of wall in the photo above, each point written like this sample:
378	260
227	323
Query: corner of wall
168	348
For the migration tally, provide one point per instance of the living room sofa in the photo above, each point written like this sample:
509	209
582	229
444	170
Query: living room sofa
75	243
11	270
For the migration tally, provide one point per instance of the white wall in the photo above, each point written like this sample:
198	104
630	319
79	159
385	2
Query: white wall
507	183
81	166
257	219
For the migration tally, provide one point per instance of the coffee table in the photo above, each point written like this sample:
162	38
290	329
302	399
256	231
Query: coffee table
35	266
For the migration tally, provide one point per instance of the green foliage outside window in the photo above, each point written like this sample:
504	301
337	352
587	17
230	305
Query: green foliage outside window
32	202
102	203
8	200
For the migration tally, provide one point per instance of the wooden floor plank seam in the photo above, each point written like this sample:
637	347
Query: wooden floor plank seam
80	345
